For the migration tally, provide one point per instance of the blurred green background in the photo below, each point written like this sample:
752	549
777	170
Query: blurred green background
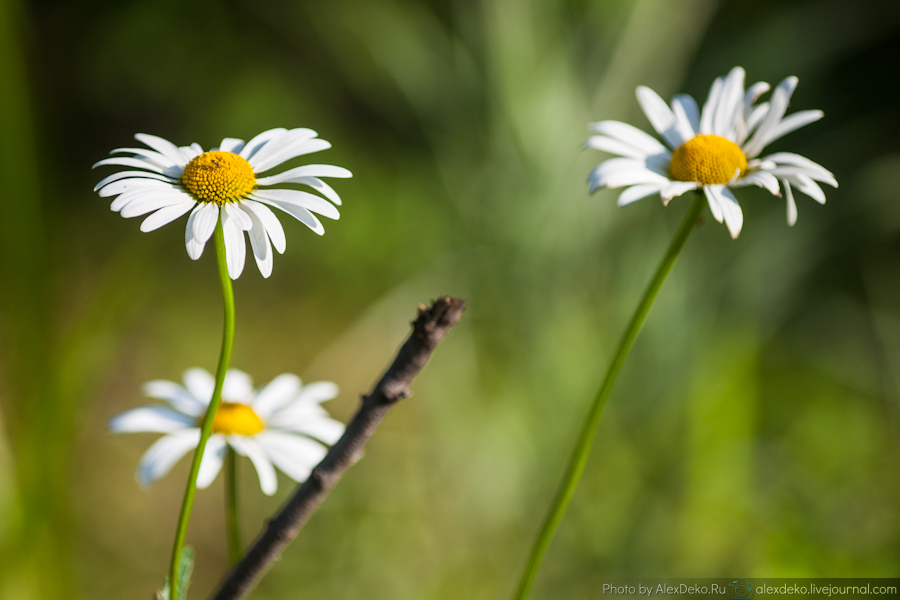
755	430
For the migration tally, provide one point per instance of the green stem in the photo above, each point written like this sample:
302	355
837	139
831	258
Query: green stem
206	427
589	430
235	549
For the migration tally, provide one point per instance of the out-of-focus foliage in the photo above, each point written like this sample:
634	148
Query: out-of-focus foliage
755	429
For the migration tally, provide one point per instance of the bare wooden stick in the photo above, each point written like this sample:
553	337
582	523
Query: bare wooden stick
429	328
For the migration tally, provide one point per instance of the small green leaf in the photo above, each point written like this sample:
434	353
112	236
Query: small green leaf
184	576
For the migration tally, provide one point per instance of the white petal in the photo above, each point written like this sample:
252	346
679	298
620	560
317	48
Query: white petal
742	124
295	413
322	187
193	245
213	457
815	175
166	215
687	115
295	456
630	135
259	242
677	188
140	193
791	204
305	171
805	184
176	395
789	158
137	183
613	146
277	394
279	143
710	106
730	103
154	157
164	453
125	161
760	164
271	222
200	384
731	210
322	428
618	172
308	201
780	98
235	248
660	116
151	202
231	145
257	142
756	90
288	152
205	222
299	213
164	147
133	174
636	192
713	201
237	387
625	178
191	152
317	392
761	179
126	198
246	446
617	165
240	218
756	117
794	122
153	419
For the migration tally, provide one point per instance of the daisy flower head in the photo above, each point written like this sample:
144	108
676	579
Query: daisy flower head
716	149
166	181
281	424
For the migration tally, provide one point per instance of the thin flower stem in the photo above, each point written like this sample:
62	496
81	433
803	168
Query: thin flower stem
589	429
235	549
206	427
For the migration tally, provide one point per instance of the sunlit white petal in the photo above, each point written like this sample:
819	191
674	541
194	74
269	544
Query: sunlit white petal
164	453
246	446
213	457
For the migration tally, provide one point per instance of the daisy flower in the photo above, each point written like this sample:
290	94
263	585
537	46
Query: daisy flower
224	184
716	149
281	424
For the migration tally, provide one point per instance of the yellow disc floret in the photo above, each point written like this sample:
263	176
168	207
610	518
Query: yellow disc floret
707	159
218	177
233	417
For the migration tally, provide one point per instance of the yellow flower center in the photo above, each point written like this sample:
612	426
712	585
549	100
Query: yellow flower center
236	418
707	159
218	177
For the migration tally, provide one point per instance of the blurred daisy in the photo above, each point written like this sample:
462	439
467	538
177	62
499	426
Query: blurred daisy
224	184
715	149
281	424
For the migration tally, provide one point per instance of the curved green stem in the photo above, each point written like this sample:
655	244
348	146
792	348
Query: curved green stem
206	427
235	549
589	430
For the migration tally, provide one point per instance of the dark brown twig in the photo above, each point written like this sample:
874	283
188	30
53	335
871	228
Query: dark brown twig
429	328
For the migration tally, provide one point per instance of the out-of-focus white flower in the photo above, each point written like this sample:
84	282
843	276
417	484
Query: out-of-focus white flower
281	424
